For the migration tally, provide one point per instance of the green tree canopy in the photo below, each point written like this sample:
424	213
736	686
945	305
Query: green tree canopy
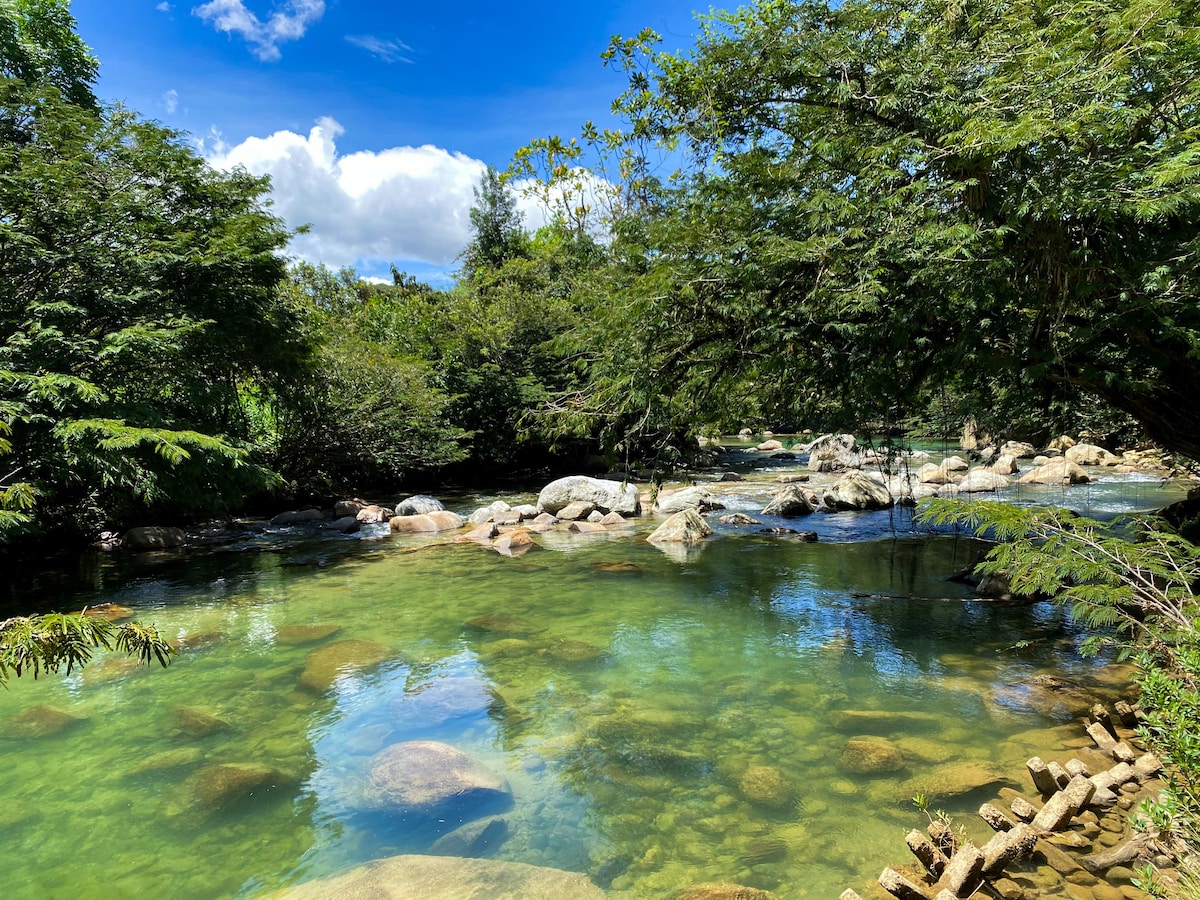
498	233
877	195
137	311
39	45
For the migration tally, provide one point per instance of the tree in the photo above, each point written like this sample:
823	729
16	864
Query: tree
39	45
371	409
138	312
496	224
873	194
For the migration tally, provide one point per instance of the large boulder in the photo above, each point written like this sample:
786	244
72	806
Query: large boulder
1091	455
686	527
425	523
789	502
352	508
1056	471
1005	464
1018	449
606	496
856	490
154	537
932	473
432	779
446	878
488	513
298	517
689	498
979	480
418	505
373	515
769	446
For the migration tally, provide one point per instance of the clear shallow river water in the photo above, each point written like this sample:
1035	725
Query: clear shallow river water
661	722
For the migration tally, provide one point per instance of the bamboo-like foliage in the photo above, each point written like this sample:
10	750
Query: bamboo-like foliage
54	642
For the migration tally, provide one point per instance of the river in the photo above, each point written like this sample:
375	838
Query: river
658	721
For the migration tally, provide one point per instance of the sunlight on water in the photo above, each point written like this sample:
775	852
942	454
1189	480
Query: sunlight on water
762	713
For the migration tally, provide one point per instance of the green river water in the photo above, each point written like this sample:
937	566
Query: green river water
661	721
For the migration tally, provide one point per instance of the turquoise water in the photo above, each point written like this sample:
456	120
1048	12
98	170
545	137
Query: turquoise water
660	722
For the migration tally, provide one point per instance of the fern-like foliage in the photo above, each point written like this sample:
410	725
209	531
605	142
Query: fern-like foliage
1131	575
54	642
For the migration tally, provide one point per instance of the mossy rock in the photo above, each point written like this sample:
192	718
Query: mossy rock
871	756
723	892
767	786
325	664
305	634
192	722
39	722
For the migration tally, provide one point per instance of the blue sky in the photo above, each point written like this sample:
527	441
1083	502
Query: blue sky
374	119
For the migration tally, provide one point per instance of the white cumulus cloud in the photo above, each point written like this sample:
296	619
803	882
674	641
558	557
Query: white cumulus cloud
398	204
171	101
285	24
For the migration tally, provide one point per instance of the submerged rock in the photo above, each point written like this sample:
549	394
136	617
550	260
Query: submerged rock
39	722
871	756
214	788
429	778
722	892
192	722
111	612
325	664
766	786
502	623
942	782
474	839
573	652
182	757
444	700
305	634
447	878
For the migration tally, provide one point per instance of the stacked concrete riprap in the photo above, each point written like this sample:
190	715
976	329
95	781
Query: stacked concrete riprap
1073	799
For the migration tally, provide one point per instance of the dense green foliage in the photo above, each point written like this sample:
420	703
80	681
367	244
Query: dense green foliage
39	46
138	305
874	199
